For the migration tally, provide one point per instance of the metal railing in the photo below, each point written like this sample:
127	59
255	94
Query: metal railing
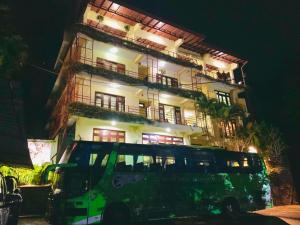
150	113
177	55
151	78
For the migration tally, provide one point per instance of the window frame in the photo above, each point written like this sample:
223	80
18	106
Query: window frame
109	136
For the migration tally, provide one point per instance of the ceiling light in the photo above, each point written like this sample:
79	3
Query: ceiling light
114	85
161	63
114	50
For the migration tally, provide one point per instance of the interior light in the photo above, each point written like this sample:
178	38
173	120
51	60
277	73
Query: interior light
252	149
165	96
161	63
114	85
168	129
156	39
114	50
188	114
219	64
113	123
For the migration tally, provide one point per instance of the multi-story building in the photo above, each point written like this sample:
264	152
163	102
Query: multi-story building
125	76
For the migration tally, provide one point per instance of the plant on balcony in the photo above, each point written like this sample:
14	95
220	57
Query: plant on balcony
162	71
127	28
91	111
100	18
112	75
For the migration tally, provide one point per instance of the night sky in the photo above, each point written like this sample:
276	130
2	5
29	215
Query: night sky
266	33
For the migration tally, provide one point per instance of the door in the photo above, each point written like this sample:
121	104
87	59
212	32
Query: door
177	115
161	113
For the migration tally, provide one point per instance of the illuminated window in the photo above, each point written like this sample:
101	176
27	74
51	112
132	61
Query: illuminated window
104	135
223	97
161	139
112	102
232	163
227	129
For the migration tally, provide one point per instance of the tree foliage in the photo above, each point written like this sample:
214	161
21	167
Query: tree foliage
13	50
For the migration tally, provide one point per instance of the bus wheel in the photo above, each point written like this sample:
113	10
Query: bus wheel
231	207
116	214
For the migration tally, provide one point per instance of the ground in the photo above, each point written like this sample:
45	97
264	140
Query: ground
280	215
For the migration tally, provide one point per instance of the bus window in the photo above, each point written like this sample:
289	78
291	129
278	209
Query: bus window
244	162
232	163
124	163
169	163
256	164
201	162
143	162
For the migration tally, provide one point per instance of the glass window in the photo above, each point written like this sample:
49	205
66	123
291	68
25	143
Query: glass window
232	163
223	97
161	139
104	135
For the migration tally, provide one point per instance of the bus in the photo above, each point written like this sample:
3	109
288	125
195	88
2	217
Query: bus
120	183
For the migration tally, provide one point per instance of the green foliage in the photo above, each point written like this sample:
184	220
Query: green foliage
13	51
13	54
24	175
91	111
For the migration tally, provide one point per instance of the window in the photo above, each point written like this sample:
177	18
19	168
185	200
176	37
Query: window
124	163
167	81
161	139
104	135
223	97
112	102
109	65
232	163
96	158
169	114
227	129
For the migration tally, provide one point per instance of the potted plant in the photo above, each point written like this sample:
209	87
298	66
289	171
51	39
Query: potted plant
100	18
127	27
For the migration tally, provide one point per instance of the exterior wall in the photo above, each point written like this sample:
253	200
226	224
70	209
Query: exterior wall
84	130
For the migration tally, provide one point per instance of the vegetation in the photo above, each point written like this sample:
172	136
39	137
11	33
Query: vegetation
24	175
13	50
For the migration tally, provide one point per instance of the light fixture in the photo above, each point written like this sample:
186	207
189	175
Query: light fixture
219	64
114	50
164	96
168	129
156	39
114	85
161	63
252	149
113	123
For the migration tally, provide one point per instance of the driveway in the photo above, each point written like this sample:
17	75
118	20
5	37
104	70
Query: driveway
281	215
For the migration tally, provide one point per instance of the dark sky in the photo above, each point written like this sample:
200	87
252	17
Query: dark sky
265	32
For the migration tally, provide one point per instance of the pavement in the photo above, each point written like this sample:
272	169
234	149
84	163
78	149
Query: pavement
280	215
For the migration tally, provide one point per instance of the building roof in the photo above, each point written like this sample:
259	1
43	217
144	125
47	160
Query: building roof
191	40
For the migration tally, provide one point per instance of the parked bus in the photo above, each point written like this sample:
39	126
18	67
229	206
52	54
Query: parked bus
118	183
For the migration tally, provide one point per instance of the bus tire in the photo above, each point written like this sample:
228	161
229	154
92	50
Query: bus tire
116	214
230	208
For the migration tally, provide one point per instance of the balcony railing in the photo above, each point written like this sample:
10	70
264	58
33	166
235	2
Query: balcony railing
151	113
151	78
114	32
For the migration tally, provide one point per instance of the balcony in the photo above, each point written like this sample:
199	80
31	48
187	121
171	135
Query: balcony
101	34
116	109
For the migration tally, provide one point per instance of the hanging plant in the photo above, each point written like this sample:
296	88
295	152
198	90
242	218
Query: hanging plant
100	18
127	28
